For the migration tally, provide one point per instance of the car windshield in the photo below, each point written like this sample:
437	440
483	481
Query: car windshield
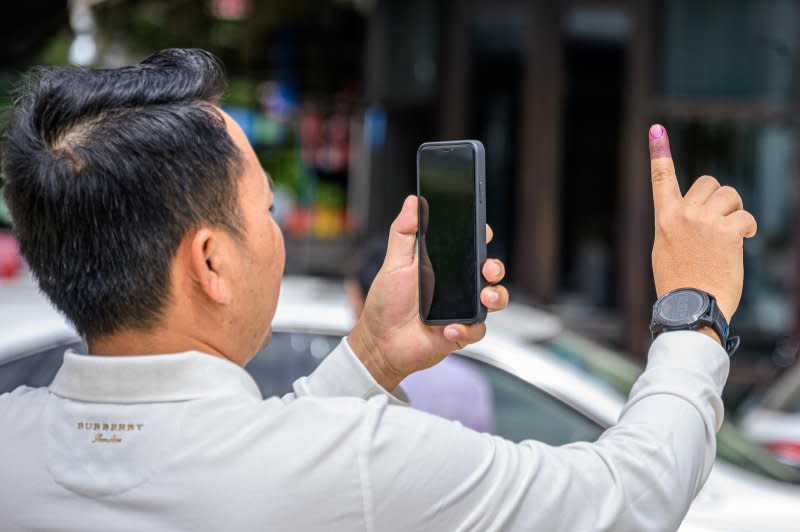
619	373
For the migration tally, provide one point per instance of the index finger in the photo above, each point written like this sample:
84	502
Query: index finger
662	170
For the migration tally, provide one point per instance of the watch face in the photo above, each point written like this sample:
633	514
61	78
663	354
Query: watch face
682	307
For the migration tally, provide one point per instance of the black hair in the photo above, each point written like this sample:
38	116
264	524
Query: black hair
106	170
367	263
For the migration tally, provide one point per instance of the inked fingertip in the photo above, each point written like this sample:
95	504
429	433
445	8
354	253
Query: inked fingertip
659	142
656	131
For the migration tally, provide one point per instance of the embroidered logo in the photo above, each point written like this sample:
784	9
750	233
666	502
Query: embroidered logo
101	430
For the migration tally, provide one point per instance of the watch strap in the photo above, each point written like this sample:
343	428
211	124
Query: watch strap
721	327
718	321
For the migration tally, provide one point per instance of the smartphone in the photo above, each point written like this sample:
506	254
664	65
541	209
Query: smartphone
451	241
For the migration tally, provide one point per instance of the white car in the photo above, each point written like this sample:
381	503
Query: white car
775	421
546	384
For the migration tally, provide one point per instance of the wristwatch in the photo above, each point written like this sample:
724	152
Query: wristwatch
689	309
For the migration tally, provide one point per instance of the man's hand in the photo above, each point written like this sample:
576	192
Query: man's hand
389	338
698	240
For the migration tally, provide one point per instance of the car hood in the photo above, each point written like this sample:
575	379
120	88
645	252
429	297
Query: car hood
28	321
736	500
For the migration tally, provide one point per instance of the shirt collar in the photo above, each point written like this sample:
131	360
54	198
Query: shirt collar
150	378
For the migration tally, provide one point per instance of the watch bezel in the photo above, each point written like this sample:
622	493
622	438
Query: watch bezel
695	318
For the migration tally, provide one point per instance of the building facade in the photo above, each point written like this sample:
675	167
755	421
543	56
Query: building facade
562	95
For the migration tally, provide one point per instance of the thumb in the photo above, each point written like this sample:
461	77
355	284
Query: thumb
402	236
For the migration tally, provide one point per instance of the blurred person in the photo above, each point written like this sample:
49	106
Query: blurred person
143	213
451	389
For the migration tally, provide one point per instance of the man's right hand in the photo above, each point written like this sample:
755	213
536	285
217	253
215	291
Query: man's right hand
389	337
699	237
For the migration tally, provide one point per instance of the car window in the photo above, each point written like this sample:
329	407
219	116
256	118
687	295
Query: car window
36	369
521	411
462	389
289	356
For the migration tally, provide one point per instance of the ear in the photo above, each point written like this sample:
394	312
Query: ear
210	263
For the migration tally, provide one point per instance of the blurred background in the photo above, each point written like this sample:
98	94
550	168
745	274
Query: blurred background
336	95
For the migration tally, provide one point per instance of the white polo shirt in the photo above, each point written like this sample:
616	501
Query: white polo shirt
186	442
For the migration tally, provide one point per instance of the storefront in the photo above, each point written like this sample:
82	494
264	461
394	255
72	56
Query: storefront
562	95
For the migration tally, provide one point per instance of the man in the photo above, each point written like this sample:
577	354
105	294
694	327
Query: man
143	213
451	389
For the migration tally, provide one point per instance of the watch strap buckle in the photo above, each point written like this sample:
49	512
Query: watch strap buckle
732	344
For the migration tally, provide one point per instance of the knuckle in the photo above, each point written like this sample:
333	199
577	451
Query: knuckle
722	226
749	224
707	181
665	220
660	174
690	214
731	231
731	193
707	216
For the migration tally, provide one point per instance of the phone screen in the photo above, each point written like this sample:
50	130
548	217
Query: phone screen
448	262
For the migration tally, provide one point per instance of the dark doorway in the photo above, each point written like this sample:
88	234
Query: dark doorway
494	110
590	180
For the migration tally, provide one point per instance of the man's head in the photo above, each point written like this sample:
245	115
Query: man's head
141	208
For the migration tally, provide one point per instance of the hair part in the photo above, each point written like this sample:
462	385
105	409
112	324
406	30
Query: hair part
107	170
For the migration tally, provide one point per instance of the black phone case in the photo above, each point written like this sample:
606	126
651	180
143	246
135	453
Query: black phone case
480	229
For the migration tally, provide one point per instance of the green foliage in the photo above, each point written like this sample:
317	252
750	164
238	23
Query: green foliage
330	195
56	50
241	92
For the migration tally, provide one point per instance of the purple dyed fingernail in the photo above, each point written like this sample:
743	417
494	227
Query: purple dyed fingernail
656	131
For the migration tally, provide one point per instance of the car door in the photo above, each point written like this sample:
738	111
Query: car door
462	389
